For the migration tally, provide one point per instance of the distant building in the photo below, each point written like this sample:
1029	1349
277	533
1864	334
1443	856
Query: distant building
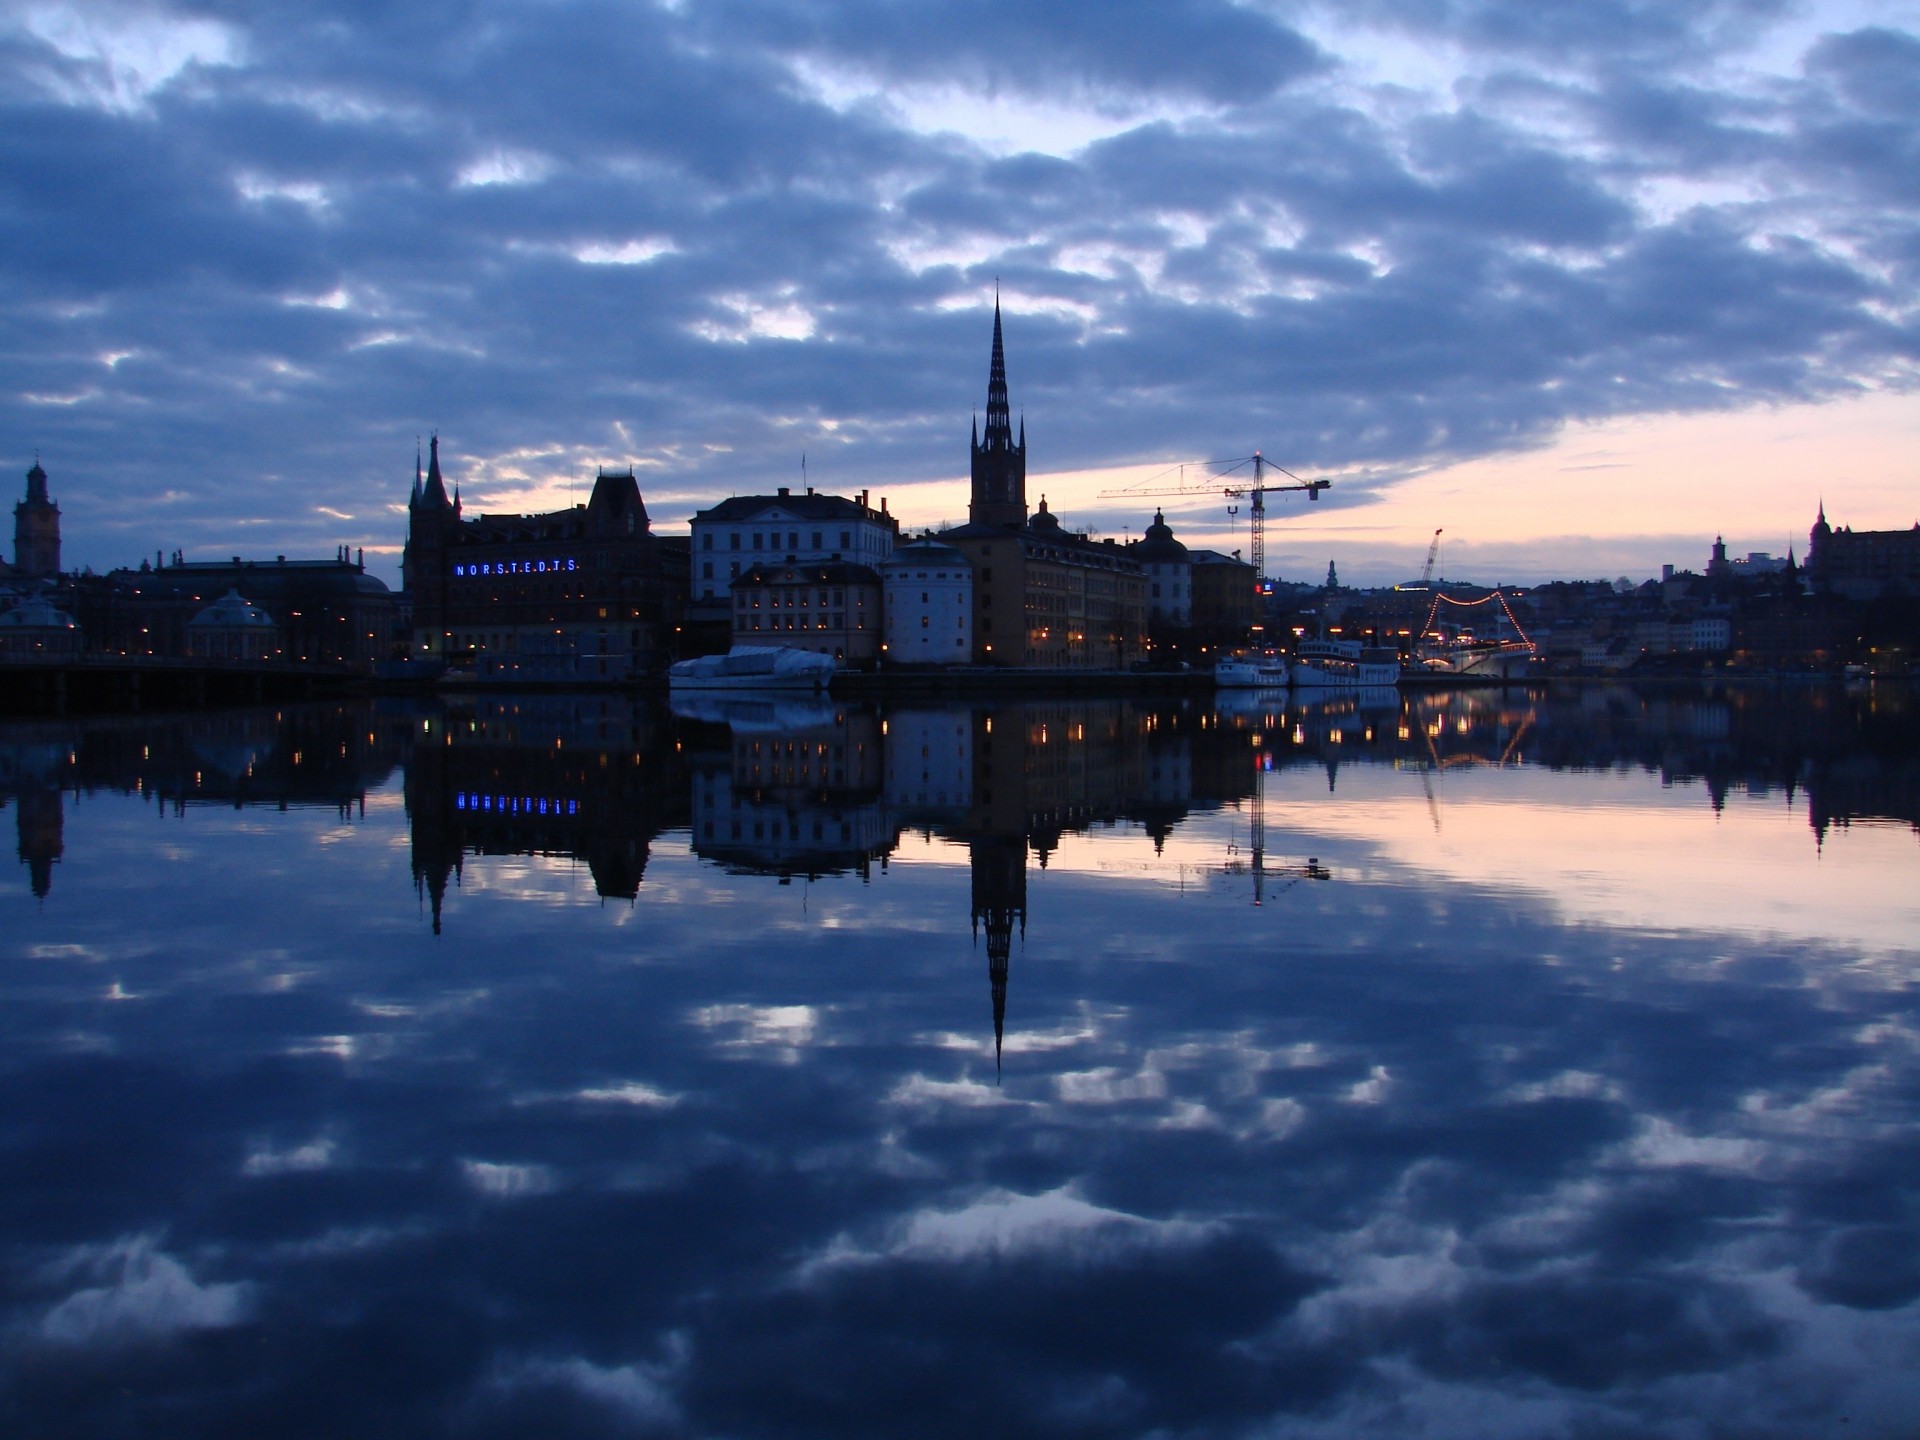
585	593
1042	596
36	530
831	608
1169	569
326	611
233	628
929	604
1225	602
36	627
746	530
1862	564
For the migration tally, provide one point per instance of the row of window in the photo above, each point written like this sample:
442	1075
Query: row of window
771	540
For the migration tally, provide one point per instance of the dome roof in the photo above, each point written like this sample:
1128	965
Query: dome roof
233	610
1044	521
36	612
1159	544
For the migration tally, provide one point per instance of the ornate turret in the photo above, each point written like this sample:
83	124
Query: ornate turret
36	530
999	461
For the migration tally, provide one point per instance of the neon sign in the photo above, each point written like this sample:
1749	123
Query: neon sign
514	805
518	567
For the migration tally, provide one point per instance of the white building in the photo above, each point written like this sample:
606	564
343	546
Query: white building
746	530
1169	569
928	588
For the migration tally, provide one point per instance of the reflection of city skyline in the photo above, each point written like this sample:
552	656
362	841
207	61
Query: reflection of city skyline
816	788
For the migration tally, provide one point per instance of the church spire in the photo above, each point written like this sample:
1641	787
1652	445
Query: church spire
435	492
999	463
999	412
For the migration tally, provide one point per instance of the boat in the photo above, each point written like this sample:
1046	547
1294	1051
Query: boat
1477	659
754	667
1325	664
1257	670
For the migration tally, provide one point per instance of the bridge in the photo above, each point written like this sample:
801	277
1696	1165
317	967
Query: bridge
55	684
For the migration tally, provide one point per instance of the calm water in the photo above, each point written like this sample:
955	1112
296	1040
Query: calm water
1471	1067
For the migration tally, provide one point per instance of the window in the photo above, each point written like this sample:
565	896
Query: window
706	567
816	539
734	570
734	540
756	540
706	541
846	539
923	597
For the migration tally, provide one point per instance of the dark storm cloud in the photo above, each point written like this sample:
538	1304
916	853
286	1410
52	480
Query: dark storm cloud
248	287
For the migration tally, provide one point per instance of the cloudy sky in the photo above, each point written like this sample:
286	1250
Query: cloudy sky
1581	284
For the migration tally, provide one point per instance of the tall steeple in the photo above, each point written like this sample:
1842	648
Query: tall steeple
435	493
999	461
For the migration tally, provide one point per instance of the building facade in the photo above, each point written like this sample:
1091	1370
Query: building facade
328	612
928	605
582	594
1169	576
1862	564
830	608
807	529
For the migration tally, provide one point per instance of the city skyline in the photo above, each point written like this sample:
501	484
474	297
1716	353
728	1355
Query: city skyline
1581	290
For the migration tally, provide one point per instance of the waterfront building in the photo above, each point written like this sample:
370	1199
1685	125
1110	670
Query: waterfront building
1044	597
829	608
233	628
748	530
37	627
928	604
1224	596
326	611
1862	564
36	530
585	593
1169	569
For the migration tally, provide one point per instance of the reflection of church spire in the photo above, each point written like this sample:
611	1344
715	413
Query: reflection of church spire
999	864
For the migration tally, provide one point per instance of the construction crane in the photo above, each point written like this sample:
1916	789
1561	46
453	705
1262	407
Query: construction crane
1255	491
1433	553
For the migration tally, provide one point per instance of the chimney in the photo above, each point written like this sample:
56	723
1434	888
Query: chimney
783	492
883	504
863	500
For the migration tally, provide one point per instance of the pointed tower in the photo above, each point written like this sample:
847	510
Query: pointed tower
999	461
433	529
36	530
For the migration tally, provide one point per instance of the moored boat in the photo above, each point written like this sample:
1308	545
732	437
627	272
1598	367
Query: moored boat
754	667
1324	663
1255	670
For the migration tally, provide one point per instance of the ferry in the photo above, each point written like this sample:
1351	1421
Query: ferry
1261	670
1325	664
754	667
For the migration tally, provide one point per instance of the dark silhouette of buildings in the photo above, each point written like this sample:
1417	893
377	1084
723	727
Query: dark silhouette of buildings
588	593
1862	564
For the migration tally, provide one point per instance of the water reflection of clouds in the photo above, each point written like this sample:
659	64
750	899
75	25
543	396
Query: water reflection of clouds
1417	1151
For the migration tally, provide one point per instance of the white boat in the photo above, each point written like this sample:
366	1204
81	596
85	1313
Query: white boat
754	667
1326	664
1259	670
1479	660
